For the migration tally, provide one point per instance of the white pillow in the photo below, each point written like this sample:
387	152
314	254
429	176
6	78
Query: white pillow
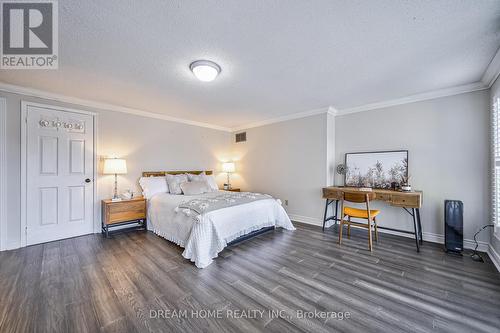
196	178
153	185
174	182
210	179
211	182
193	188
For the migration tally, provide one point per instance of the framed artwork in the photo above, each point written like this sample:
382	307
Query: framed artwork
376	169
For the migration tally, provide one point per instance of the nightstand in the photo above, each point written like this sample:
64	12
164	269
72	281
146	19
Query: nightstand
119	213
234	189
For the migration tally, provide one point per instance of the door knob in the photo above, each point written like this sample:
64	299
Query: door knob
87	180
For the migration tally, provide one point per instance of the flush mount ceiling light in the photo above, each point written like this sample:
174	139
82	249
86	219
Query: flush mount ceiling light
205	70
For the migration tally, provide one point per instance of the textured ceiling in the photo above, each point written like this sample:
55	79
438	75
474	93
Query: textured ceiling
277	57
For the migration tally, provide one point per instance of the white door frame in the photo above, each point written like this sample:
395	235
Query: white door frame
24	132
3	173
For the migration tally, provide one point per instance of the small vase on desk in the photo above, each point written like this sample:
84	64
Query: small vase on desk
406	187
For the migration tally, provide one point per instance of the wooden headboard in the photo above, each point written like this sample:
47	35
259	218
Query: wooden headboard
163	173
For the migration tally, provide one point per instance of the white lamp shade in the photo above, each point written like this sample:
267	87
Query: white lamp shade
228	167
114	166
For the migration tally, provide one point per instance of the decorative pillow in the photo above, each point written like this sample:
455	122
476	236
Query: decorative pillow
196	178
153	185
193	188
174	182
210	179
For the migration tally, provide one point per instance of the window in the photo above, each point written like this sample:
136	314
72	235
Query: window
496	161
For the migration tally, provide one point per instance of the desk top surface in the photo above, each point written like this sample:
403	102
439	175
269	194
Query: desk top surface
394	198
367	189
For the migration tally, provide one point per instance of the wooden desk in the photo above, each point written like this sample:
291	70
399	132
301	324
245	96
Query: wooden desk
411	202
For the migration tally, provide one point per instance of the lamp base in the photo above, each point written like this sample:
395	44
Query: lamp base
115	193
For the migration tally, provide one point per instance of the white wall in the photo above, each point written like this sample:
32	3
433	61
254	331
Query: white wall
289	161
146	143
448	155
293	160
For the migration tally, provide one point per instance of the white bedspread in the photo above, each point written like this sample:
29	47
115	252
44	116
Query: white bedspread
203	240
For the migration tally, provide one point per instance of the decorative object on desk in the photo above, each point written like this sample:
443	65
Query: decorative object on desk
475	256
375	169
228	168
394	186
405	185
341	169
115	166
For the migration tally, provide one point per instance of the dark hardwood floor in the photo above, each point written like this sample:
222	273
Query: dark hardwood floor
91	284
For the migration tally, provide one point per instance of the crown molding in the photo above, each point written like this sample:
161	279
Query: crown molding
292	116
332	111
492	71
476	86
31	92
457	90
488	79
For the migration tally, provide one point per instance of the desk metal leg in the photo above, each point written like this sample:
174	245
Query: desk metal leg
419	225
416	229
326	210
333	217
336	211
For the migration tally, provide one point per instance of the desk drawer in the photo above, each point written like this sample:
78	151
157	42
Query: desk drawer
332	194
410	201
383	197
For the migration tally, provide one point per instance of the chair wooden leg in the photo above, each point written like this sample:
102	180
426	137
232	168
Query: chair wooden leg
349	227
376	229
341	225
370	243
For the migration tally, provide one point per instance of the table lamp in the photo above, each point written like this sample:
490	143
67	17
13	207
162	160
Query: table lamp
228	168
115	166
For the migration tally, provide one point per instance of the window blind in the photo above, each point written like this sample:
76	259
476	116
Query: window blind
496	161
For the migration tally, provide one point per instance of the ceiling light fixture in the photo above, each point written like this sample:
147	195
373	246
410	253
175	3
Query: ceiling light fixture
205	70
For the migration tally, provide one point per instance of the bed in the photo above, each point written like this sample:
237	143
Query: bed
204	234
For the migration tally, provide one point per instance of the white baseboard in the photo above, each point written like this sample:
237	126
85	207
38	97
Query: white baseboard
494	256
309	220
427	236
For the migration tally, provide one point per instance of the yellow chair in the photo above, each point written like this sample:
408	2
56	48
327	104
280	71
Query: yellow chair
366	214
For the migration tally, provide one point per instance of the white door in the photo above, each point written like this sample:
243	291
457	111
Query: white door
59	174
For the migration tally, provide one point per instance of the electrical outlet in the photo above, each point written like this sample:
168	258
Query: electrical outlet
286	202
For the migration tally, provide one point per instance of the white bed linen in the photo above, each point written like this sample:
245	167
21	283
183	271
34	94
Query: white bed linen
203	240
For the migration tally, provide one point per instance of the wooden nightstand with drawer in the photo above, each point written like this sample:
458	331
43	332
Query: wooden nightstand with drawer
119	213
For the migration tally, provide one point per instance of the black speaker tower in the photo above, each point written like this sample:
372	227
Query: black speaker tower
454	226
